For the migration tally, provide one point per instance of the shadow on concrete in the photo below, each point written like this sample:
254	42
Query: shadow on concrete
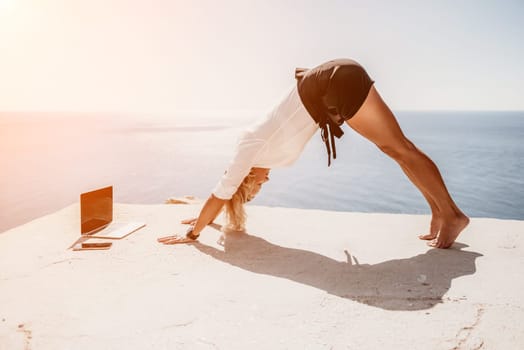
415	283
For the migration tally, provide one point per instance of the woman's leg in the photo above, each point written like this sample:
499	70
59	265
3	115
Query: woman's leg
375	121
434	227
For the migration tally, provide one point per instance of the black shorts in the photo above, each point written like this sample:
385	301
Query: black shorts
332	93
346	92
336	88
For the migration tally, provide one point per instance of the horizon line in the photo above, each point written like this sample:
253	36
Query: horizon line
224	111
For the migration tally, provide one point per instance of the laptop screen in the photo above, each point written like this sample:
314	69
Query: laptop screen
96	209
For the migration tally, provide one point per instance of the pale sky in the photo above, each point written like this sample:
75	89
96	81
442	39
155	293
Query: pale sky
164	56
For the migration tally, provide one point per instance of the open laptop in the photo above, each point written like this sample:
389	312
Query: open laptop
96	216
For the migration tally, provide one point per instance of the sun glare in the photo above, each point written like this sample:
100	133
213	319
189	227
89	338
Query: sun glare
6	3
6	8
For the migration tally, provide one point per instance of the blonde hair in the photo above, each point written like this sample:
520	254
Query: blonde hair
234	208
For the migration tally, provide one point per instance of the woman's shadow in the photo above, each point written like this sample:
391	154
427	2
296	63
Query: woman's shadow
415	283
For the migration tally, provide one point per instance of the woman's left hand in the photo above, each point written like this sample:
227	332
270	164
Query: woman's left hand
208	213
175	239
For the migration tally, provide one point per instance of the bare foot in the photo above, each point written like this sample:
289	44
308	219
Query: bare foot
449	231
434	228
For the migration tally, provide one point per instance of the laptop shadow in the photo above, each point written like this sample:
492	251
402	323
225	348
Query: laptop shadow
415	283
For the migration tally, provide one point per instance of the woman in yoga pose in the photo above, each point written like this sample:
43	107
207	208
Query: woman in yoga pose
325	97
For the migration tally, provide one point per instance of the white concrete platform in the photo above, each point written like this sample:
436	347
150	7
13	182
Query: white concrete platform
299	279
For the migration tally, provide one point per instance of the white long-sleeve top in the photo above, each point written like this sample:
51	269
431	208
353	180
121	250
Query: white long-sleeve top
276	140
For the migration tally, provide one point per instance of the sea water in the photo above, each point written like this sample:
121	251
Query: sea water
47	160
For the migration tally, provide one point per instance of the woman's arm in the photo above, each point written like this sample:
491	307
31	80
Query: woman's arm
192	221
209	212
248	149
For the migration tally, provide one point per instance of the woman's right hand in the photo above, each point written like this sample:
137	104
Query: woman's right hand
191	221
